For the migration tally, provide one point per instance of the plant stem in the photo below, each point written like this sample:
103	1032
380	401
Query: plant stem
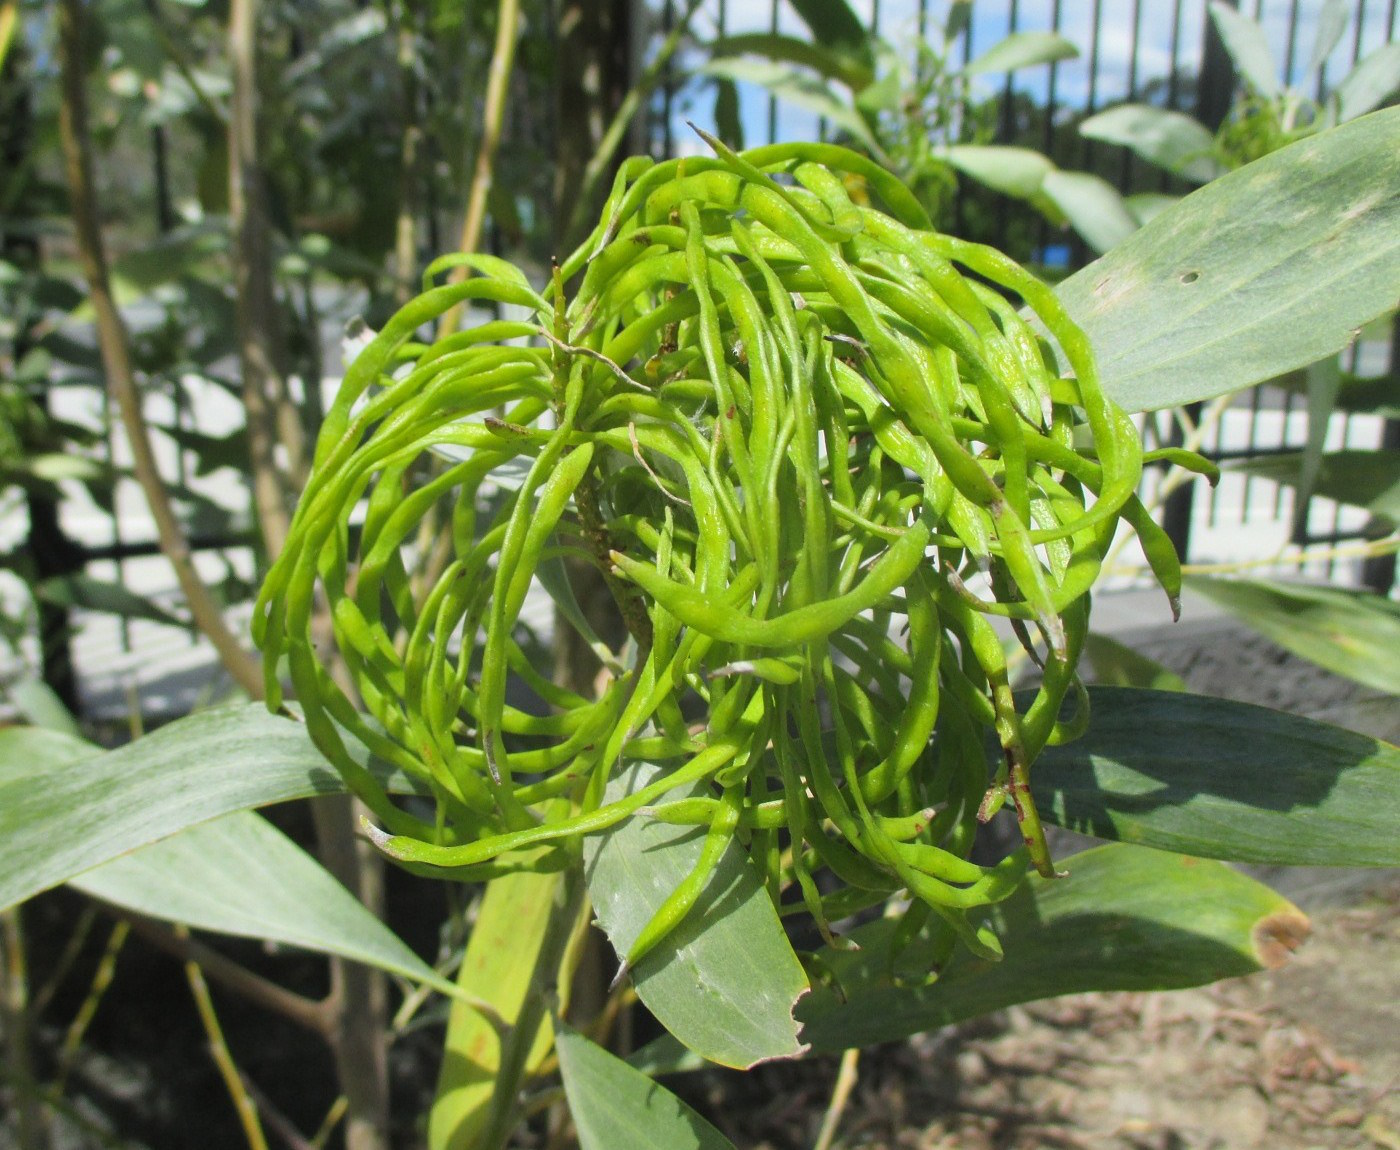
840	1095
116	354
329	1122
354	1013
14	1021
223	1059
357	1006
101	980
497	80
539	999
271	417
405	230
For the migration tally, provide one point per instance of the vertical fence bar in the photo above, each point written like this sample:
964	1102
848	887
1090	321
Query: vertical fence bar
960	196
1360	30
668	18
773	100
1007	127
1047	139
1125	170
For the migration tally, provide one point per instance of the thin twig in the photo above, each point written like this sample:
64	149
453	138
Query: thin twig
223	1059
116	353
306	1012
16	1015
406	227
270	416
101	980
840	1095
497	80
277	1122
1370	550
71	949
330	1122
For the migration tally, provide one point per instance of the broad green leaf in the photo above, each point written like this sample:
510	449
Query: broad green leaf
1369	84
1170	140
240	875
59	819
773	46
1375	394
1015	172
54	466
729	125
137	273
211	451
796	87
617	1108
835	24
725	980
90	594
38	703
236	874
958	21
1355	634
1248	47
1267	269
664	1055
1117	665
885	94
499	965
9	21
345	33
1147	206
1126	918
1022	50
1369	479
1225	780
1093	206
1331	23
26	753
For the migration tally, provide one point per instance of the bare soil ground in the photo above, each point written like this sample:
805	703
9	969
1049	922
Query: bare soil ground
1302	1057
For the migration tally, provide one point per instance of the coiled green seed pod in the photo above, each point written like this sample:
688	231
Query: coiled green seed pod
813	446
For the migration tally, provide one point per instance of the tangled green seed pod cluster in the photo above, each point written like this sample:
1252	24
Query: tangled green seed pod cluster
814	447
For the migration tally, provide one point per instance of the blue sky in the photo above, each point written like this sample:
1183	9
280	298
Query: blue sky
991	21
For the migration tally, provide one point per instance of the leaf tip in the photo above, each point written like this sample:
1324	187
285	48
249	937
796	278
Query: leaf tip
1276	936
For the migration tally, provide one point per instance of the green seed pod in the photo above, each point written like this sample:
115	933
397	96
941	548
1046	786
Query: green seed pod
813	448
